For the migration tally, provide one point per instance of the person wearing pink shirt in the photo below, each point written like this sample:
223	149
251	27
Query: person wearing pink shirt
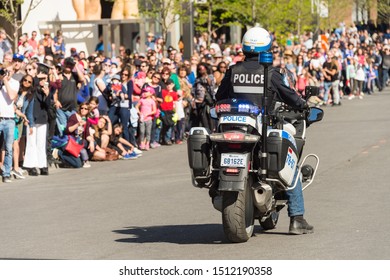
146	108
33	43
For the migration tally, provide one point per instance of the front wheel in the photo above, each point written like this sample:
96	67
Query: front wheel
238	215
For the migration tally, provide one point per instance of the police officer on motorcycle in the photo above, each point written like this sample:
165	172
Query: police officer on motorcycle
245	80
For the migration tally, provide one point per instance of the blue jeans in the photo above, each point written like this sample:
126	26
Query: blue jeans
295	204
327	87
62	120
179	130
385	77
69	159
157	131
7	128
122	114
166	133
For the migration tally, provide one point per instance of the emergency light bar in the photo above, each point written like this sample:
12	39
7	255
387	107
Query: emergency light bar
237	108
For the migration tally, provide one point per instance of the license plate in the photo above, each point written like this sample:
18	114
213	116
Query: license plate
233	160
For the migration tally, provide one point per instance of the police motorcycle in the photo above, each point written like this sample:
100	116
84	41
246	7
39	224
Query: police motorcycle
249	163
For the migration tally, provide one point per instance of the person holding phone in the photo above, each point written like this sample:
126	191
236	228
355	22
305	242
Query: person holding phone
37	115
9	88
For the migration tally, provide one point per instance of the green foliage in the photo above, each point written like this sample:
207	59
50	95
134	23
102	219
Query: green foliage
165	12
10	9
10	12
384	11
220	15
280	16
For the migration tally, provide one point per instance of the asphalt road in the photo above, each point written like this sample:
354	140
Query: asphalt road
148	209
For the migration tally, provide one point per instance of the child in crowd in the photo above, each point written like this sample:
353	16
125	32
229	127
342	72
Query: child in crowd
370	76
350	77
93	117
120	144
169	97
146	109
302	81
118	94
179	127
139	81
359	80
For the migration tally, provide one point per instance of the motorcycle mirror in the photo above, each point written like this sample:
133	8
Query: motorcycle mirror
213	113
315	115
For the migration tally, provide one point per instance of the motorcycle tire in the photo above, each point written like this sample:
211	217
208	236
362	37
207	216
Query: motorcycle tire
270	222
238	215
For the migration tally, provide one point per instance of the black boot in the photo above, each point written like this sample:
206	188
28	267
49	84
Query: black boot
44	171
298	225
32	172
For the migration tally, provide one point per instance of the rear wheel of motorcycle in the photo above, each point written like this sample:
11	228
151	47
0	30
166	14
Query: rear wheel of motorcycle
238	215
270	222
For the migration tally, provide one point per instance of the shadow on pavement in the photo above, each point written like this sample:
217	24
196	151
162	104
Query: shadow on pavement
182	234
178	234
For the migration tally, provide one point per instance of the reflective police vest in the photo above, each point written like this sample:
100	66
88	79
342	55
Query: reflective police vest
247	80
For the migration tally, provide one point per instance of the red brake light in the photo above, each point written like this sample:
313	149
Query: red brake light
232	171
234	136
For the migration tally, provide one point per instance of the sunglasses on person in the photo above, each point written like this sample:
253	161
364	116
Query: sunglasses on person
84	108
156	77
125	74
28	81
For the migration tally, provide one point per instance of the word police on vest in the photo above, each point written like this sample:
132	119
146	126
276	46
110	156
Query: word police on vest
248	78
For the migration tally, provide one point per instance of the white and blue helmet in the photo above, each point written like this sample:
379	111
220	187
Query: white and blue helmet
256	40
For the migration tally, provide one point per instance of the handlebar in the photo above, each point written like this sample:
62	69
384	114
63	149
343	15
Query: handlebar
289	114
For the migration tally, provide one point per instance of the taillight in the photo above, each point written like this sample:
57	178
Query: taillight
234	136
232	171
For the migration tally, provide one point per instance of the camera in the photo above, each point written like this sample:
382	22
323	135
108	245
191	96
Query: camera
3	72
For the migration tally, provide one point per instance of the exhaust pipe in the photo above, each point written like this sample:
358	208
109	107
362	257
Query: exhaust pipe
262	194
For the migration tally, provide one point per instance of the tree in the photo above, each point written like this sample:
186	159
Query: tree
165	13
282	16
213	15
384	11
10	10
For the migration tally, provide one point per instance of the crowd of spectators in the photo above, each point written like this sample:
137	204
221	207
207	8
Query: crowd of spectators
347	63
70	110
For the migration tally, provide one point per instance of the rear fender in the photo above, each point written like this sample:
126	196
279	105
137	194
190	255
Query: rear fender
228	182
